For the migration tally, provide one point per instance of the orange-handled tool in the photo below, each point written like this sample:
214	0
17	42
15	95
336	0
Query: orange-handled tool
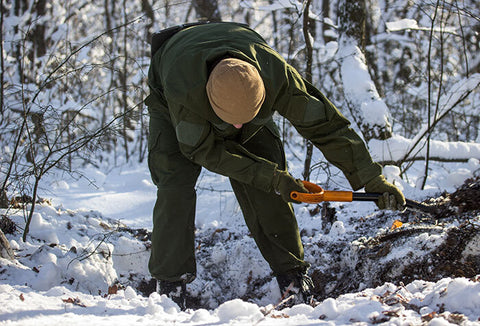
317	195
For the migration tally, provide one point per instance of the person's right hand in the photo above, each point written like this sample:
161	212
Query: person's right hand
392	197
284	184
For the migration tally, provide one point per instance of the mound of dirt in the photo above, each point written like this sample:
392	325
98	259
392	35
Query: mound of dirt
467	197
445	243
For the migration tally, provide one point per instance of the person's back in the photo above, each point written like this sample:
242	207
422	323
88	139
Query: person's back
181	67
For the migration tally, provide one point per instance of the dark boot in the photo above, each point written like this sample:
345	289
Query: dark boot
176	291
297	287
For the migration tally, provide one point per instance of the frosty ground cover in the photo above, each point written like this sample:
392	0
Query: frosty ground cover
85	260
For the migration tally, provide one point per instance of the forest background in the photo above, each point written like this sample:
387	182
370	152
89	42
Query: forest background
74	129
73	78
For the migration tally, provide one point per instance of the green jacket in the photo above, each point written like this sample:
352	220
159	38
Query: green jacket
177	78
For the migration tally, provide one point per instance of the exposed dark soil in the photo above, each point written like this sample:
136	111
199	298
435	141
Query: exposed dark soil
467	197
448	258
7	225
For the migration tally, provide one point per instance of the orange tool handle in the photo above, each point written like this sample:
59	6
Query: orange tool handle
318	195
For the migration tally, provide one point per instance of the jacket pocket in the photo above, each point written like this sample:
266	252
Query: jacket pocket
153	138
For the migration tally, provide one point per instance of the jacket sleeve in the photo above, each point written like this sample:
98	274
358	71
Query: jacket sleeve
319	121
199	143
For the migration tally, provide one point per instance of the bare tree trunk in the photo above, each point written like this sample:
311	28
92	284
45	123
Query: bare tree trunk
19	7
148	10
326	28
167	10
109	15
123	85
3	198
429	95
2	62
275	28
207	10
307	32
352	20
38	36
371	29
368	110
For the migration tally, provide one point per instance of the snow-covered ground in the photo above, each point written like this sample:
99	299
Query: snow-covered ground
418	302
78	249
87	251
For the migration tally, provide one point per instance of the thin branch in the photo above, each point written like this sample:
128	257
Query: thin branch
435	122
49	78
429	94
308	77
422	158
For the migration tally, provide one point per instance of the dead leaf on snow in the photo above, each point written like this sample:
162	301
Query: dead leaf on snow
75	302
396	224
429	317
113	289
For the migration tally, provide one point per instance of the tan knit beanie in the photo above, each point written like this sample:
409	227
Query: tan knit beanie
235	90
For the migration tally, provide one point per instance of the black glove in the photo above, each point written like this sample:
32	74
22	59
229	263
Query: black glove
284	184
392	198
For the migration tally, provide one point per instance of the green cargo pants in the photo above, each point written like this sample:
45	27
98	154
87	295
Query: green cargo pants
270	220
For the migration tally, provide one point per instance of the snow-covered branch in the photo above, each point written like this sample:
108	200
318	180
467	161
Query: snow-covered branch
368	109
399	149
394	150
412	25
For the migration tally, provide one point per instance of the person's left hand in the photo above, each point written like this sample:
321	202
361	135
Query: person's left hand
392	197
